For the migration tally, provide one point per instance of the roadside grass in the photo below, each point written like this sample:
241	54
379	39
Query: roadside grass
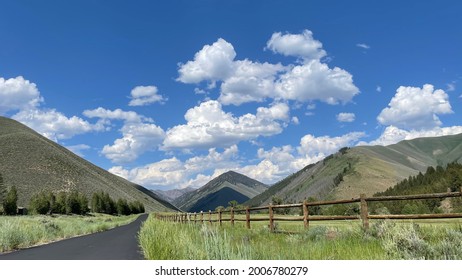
17	232
332	240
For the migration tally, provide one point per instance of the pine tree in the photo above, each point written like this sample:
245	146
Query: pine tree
10	203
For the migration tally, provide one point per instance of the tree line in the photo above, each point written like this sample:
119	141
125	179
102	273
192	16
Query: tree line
73	202
434	180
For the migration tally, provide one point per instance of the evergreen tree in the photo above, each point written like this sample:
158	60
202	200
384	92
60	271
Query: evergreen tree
40	204
122	207
10	202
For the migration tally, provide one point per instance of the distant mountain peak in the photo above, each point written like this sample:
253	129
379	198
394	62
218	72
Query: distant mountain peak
230	185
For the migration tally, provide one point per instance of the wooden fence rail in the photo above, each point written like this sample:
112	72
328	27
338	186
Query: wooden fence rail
217	216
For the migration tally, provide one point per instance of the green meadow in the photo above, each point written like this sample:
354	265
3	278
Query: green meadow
334	240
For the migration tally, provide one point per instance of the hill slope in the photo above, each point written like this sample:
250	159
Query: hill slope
33	163
364	169
218	192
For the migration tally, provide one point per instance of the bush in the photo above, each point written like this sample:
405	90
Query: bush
59	207
122	207
10	202
40	204
136	207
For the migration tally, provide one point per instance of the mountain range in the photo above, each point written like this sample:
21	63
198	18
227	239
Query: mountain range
364	169
219	191
171	195
33	163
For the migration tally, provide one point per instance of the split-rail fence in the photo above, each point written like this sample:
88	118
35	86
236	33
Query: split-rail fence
364	216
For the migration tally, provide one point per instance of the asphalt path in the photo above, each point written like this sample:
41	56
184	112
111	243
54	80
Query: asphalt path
119	243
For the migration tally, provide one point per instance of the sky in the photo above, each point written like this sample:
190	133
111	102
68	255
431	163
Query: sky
171	94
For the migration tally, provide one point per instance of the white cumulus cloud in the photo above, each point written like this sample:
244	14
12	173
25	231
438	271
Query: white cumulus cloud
300	45
214	62
55	125
18	94
145	95
209	126
416	108
245	81
316	81
315	147
346	117
139	134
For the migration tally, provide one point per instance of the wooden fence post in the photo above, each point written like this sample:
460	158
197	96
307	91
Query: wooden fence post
220	217
210	216
271	217
232	216
247	217
202	217
364	211
306	222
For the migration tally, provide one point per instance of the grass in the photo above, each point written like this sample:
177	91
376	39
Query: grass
25	231
335	240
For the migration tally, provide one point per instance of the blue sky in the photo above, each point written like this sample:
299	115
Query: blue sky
169	94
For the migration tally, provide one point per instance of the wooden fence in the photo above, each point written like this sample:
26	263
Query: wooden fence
364	216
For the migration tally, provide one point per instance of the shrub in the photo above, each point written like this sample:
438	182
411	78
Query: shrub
122	207
136	207
10	202
40	204
59	207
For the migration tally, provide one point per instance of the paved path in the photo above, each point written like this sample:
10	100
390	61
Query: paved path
120	243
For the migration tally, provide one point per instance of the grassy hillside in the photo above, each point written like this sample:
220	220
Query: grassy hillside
364	169
218	192
33	163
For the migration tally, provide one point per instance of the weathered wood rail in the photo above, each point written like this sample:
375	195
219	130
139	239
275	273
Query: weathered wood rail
364	216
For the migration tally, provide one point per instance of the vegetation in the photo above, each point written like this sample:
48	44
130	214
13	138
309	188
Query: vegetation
77	203
10	202
323	241
26	231
433	181
62	203
101	202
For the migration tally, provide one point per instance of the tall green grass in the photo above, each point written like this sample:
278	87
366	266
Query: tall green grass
332	240
18	232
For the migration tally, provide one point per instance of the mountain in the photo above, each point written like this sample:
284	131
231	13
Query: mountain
218	192
171	195
364	169
34	163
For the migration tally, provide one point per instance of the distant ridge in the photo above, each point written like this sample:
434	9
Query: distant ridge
219	191
33	163
171	195
364	169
